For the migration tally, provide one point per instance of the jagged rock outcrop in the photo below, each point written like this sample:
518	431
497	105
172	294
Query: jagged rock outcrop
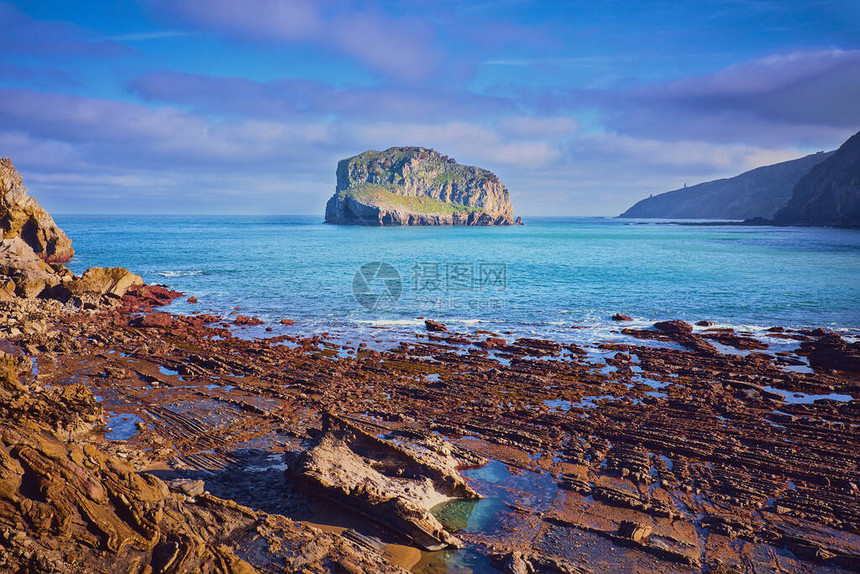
24	274
66	506
830	193
390	483
33	247
756	193
416	186
22	216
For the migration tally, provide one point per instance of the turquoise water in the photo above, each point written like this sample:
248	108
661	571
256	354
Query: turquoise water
537	279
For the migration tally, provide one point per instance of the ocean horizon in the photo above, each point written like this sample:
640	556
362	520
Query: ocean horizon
539	279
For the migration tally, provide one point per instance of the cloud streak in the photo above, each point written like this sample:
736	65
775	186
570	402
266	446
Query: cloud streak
399	47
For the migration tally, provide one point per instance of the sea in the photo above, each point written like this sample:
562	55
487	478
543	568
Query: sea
547	278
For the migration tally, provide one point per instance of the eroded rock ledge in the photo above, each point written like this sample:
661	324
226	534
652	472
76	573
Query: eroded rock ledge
394	484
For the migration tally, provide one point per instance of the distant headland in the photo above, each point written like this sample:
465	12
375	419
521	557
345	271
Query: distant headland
821	189
416	186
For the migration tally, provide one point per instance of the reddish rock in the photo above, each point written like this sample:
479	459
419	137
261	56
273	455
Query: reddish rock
242	320
156	320
435	326
287	322
620	317
674	327
832	352
705	323
191	300
146	297
492	343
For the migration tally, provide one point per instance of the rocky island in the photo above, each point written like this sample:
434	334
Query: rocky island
416	186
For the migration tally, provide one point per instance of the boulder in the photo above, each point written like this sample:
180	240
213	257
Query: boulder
832	352
393	484
158	320
620	317
22	216
25	274
247	321
435	326
675	327
114	281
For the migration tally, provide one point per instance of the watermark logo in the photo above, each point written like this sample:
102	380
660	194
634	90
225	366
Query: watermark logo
377	286
434	286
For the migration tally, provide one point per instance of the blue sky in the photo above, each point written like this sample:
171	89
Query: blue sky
582	108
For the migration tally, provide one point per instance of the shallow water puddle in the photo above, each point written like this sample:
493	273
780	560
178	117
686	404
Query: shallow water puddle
122	426
804	399
500	488
170	372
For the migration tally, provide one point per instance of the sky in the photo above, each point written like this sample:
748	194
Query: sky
582	108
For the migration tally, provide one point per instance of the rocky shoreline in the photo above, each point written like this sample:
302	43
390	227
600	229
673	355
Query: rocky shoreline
661	456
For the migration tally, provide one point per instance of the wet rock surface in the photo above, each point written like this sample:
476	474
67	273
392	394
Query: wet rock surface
652	451
69	505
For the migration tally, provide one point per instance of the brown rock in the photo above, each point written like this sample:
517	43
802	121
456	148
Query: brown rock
287	322
620	317
391	483
191	300
26	274
115	281
242	320
22	216
674	327
66	506
435	326
833	352
159	320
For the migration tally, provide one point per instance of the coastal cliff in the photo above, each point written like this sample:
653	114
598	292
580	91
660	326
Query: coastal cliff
756	193
830	193
22	216
416	186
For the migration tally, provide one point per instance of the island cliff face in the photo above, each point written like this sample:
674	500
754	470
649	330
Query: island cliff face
416	186
756	193
830	193
22	216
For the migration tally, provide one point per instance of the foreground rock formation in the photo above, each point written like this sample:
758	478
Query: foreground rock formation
830	193
416	186
396	485
22	216
624	456
67	506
